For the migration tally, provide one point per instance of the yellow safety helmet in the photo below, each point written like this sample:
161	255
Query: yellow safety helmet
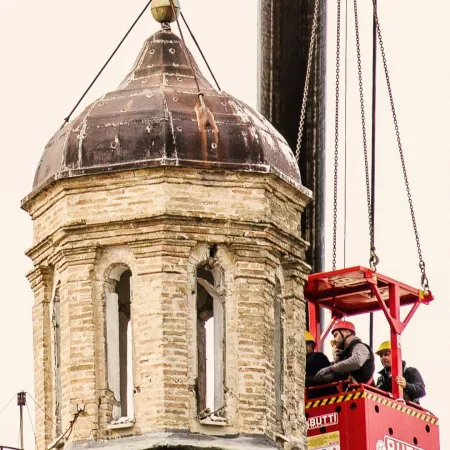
384	346
309	337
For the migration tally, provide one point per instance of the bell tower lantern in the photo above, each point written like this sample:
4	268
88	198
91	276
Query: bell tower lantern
168	269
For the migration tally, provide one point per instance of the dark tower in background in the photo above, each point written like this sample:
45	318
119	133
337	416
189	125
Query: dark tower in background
284	39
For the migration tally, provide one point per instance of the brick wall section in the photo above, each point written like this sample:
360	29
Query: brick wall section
161	224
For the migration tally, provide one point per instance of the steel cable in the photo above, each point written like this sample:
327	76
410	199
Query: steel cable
424	278
200	50
336	133
66	119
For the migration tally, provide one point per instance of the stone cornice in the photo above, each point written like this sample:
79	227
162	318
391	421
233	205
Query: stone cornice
295	268
40	277
40	248
158	230
35	206
67	257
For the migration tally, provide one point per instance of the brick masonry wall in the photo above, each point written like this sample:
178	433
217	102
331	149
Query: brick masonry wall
161	224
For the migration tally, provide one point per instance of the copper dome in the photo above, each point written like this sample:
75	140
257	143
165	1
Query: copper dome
155	118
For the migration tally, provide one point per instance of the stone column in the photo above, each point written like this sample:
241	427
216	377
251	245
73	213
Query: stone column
41	283
159	312
102	288
254	292
78	356
147	325
174	290
295	272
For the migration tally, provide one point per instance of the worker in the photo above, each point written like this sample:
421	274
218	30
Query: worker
314	360
354	360
411	381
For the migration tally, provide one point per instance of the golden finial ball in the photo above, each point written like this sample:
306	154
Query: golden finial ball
163	11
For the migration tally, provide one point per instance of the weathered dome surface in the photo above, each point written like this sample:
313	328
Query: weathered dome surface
156	118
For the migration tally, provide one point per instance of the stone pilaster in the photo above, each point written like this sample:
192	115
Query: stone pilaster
295	273
254	290
164	317
41	282
78	358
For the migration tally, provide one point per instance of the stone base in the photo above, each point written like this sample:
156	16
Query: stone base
178	440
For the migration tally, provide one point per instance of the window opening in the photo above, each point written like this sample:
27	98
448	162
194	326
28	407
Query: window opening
119	345
210	346
56	322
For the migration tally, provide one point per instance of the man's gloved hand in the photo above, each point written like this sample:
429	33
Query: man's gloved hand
325	374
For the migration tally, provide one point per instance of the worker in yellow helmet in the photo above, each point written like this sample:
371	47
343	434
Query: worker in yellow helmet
315	361
411	381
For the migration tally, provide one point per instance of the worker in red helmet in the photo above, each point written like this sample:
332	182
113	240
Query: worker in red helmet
355	359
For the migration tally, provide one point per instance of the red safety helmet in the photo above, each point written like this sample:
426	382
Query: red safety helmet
343	325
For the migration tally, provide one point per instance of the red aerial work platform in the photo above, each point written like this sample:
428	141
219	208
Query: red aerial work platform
358	416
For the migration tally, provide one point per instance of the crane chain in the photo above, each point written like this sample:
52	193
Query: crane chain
308	76
336	133
373	259
424	278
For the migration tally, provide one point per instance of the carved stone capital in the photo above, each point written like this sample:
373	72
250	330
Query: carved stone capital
40	278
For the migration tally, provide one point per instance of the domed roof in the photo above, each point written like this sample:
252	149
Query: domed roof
157	118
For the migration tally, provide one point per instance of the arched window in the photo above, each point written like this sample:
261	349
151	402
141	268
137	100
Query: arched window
210	343
56	339
119	345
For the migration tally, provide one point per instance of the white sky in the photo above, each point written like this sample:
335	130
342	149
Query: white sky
50	52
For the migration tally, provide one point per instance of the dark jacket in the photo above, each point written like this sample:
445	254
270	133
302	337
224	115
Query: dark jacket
363	374
415	387
314	362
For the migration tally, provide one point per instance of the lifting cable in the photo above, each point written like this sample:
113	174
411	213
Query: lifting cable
188	56
336	133
186	53
373	260
345	133
307	78
374	111
200	50
370	178
67	118
424	278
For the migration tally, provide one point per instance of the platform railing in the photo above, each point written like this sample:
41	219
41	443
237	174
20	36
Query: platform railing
345	386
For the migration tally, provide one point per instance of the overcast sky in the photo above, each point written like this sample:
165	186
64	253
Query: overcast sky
50	52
